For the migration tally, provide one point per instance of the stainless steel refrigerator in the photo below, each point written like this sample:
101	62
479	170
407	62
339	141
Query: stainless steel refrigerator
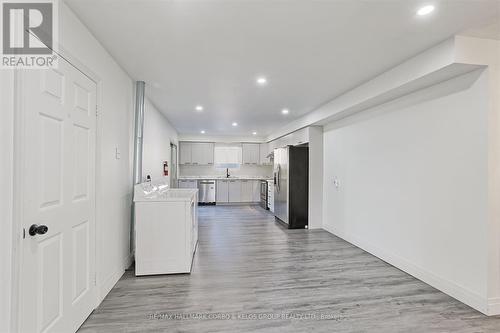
291	186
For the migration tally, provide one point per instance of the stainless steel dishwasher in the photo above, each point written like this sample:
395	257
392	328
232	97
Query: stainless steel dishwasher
206	192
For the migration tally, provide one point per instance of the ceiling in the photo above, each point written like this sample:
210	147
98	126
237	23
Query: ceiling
210	52
488	31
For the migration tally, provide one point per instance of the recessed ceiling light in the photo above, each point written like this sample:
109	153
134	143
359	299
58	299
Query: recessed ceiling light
235	124
285	111
202	132
425	10
199	108
254	133
261	81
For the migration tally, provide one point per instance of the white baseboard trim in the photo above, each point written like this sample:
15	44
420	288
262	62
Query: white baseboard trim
494	306
110	282
450	288
314	227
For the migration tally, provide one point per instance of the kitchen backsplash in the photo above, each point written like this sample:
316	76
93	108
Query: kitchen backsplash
265	171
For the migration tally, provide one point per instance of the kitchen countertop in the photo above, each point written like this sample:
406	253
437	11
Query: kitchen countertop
224	177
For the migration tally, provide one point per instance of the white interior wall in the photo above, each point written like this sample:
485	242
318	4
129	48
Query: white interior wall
158	134
413	186
115	131
6	195
487	51
315	214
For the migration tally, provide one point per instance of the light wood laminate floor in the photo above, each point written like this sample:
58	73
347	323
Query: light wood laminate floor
249	268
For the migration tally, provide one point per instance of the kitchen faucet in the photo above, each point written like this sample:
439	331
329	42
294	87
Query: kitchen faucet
227	173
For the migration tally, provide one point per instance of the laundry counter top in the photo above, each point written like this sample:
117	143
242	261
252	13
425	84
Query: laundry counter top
149	193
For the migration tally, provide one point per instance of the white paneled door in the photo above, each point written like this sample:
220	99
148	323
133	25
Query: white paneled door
58	111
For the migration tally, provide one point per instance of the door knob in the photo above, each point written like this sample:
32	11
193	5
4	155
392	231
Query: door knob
36	229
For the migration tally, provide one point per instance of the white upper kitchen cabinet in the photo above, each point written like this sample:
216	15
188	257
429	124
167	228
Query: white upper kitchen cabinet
251	153
197	154
202	153
234	191
263	153
185	151
209	153
227	154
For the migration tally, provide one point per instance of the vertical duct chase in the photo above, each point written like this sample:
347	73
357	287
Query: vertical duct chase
138	130
138	142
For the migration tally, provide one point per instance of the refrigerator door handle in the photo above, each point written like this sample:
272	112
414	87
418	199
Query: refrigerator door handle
275	174
278	177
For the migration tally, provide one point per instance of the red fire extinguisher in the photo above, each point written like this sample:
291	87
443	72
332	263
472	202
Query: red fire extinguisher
165	168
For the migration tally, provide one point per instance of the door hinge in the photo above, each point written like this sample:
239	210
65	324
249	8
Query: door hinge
96	111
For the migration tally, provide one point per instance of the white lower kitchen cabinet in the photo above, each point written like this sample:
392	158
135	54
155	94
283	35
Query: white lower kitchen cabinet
250	190
246	190
234	191
231	190
166	231
188	183
222	194
255	190
270	195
